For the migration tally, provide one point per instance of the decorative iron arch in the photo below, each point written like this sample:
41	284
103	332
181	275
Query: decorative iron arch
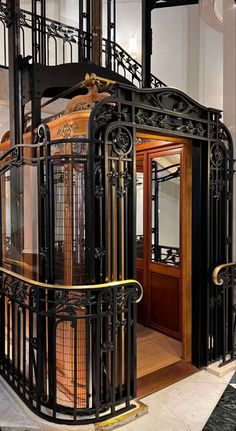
170	112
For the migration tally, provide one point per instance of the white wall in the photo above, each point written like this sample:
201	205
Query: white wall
188	54
169	59
211	67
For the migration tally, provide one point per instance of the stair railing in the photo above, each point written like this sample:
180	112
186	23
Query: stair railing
68	44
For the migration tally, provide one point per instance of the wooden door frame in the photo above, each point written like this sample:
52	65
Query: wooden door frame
185	145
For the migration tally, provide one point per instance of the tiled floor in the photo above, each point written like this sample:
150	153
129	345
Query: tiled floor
186	405
224	414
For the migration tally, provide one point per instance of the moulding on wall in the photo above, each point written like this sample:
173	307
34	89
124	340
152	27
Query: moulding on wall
210	14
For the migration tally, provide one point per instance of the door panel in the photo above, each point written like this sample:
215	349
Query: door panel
165	304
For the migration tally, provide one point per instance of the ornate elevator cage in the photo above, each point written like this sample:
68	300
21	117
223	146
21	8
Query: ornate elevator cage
68	292
68	309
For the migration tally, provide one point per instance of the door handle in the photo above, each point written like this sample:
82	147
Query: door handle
215	274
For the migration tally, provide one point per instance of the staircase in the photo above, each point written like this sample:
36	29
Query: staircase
67	44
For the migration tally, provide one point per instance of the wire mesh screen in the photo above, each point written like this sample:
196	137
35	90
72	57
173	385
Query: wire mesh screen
69	216
71	360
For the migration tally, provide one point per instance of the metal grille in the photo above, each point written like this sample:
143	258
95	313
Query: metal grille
71	362
68	352
69	210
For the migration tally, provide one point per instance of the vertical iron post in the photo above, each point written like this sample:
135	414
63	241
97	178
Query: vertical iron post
38	56
111	32
146	43
13	7
42	54
97	32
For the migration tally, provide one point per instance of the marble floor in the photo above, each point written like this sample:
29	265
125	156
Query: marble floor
186	405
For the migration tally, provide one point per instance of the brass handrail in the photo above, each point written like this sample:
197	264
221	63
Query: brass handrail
216	281
74	287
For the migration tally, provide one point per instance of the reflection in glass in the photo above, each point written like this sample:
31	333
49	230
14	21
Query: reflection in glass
19	220
139	212
165	209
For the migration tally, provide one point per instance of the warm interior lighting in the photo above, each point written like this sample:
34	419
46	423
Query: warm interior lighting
133	46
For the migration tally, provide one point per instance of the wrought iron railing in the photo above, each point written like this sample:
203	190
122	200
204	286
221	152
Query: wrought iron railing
224	278
68	44
160	253
166	254
60	346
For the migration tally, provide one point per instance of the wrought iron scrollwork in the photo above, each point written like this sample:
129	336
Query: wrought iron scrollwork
170	122
175	102
224	280
218	177
77	320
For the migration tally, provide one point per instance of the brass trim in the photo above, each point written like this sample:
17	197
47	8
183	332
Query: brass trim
215	273
79	287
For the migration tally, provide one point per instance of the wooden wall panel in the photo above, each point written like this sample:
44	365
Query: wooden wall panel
164	304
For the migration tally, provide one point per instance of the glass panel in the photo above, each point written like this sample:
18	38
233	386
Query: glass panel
139	212
20	220
166	209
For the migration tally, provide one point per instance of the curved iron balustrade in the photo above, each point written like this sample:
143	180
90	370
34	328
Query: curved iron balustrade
67	44
118	283
61	347
224	276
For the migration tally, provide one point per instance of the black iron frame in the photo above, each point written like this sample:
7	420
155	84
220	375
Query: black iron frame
111	178
111	172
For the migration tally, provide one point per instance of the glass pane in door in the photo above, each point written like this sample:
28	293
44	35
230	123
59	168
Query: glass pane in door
165	234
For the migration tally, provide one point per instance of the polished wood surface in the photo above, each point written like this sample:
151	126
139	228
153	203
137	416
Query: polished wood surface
155	350
164	377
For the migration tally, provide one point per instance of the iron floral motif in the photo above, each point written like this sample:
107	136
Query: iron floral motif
217	186
107	346
99	252
62	31
169	122
218	177
122	142
114	179
217	155
14	289
99	192
67	303
106	114
168	100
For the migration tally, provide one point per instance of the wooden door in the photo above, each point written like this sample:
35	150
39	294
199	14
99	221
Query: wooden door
164	237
